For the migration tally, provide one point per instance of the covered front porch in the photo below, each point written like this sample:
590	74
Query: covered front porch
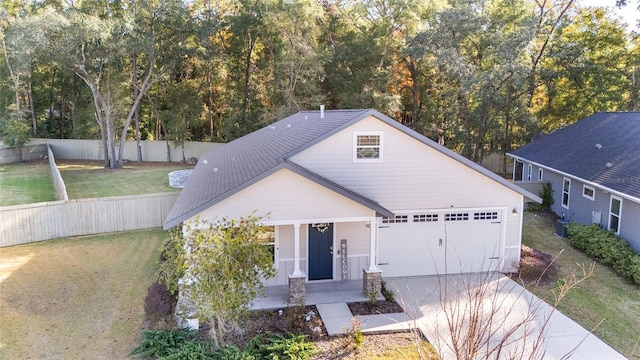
277	297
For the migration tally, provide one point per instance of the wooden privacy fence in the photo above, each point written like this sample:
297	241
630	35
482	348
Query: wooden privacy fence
23	224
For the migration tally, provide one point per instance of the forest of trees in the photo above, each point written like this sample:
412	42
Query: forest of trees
478	76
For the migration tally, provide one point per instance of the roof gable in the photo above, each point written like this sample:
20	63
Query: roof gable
603	149
232	167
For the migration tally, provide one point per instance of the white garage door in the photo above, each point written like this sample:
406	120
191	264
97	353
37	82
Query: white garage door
439	242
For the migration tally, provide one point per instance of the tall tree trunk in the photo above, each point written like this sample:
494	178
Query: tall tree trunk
136	90
247	77
31	106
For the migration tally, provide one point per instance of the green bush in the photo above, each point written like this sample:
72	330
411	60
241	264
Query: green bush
546	194
172	345
289	346
607	248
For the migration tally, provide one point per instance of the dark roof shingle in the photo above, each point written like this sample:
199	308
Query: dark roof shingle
603	149
232	167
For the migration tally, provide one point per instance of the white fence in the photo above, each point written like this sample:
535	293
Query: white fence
32	151
58	182
534	187
151	150
22	224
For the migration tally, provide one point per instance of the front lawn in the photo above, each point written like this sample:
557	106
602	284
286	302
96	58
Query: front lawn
26	183
76	298
604	297
91	180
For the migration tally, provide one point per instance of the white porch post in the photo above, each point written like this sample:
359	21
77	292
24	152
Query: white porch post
373	245
296	250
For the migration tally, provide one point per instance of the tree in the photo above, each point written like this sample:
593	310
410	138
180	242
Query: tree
222	266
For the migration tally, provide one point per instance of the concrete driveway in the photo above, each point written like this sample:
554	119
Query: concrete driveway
497	320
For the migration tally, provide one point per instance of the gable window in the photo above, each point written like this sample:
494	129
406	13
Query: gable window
367	146
529	171
566	189
540	174
615	211
588	192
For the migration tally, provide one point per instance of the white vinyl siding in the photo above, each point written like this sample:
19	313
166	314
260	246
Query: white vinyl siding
615	214
414	175
566	192
589	192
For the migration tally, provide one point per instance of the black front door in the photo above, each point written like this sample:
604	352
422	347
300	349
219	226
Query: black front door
320	251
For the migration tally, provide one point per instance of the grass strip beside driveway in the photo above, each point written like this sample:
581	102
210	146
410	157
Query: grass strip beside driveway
604	297
76	298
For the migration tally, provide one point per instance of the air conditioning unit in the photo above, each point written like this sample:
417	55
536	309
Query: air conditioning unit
596	217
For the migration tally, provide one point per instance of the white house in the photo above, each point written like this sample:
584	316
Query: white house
353	194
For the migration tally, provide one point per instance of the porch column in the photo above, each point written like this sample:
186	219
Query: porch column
372	275
373	245
297	289
296	250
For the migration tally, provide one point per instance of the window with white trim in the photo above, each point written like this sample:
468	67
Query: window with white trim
566	191
615	212
267	237
529	171
396	219
367	146
425	218
588	192
485	215
540	174
456	217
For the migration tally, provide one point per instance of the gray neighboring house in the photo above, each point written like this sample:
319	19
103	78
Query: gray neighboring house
593	166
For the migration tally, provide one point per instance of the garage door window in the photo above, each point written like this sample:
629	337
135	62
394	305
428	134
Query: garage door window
486	215
396	219
425	218
456	217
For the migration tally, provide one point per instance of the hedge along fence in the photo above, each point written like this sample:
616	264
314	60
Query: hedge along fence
23	224
607	248
58	182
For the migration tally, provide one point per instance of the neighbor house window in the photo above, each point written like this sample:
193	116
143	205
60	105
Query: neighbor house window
367	146
529	171
615	211
566	189
588	192
540	174
267	238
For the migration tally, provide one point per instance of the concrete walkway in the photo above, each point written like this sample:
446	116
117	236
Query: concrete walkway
516	315
429	301
338	320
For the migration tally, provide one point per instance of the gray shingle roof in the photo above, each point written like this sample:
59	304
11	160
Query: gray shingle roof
228	169
574	150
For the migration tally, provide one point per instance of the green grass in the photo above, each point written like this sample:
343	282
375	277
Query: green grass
603	297
25	184
76	298
92	180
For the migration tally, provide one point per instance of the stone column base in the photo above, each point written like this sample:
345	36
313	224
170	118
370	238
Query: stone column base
297	289
371	282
